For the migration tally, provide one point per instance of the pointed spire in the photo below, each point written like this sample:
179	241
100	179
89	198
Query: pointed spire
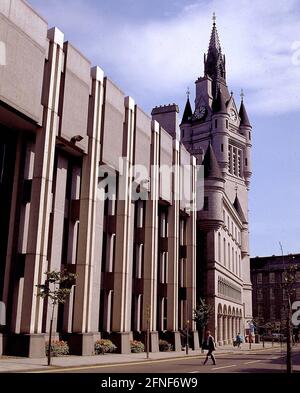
211	166
243	115
214	44
214	63
219	103
239	209
188	113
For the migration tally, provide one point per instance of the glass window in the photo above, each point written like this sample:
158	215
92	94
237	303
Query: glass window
272	311
259	294
272	277
259	278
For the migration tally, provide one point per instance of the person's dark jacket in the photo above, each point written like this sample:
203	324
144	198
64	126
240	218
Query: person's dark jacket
209	344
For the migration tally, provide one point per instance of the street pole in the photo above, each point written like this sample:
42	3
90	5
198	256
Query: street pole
148	337
147	315
288	340
50	336
187	337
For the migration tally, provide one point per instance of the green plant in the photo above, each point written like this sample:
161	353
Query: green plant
103	346
58	348
56	289
165	346
137	346
201	315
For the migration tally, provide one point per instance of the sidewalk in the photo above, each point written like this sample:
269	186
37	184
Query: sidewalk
10	364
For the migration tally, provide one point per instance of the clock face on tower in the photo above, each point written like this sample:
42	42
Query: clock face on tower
200	112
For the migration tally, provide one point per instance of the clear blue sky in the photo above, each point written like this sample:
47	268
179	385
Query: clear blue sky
154	49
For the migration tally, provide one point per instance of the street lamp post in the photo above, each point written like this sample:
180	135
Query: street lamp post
289	369
187	338
250	333
148	328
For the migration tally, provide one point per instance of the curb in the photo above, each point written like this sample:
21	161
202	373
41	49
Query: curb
54	368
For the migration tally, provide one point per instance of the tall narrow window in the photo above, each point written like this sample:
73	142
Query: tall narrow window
216	123
219	247
239	166
229	262
235	161
205	206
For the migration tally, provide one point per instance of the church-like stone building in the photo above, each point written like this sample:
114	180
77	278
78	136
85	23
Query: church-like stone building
218	134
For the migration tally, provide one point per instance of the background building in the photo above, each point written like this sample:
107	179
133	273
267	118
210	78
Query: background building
270	300
219	135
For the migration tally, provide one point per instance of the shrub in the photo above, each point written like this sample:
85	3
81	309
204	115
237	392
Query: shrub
58	348
165	346
103	346
137	346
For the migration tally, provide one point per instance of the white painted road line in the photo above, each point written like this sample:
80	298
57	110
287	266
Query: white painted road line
194	372
219	368
253	361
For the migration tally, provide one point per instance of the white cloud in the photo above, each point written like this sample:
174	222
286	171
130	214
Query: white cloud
159	58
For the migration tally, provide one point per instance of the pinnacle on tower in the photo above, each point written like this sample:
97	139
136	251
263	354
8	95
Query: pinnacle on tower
211	166
214	61
219	103
239	209
243	115
188	113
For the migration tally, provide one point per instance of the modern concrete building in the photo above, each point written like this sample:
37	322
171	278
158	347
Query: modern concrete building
61	121
219	135
270	300
64	127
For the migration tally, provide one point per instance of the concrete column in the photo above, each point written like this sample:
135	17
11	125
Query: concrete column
225	329
36	258
233	328
70	258
151	237
87	292
229	329
220	330
173	254
124	239
191	256
58	214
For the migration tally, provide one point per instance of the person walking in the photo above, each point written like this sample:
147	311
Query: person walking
209	344
238	340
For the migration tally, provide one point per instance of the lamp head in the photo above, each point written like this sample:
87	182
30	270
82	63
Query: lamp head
76	138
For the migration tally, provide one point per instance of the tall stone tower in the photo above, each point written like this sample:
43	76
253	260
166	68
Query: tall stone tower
219	135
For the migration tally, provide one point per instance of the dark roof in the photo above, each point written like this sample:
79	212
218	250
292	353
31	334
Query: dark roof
243	115
214	61
214	43
211	166
187	114
274	262
219	104
239	209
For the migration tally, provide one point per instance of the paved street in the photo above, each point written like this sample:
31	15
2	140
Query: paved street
262	361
